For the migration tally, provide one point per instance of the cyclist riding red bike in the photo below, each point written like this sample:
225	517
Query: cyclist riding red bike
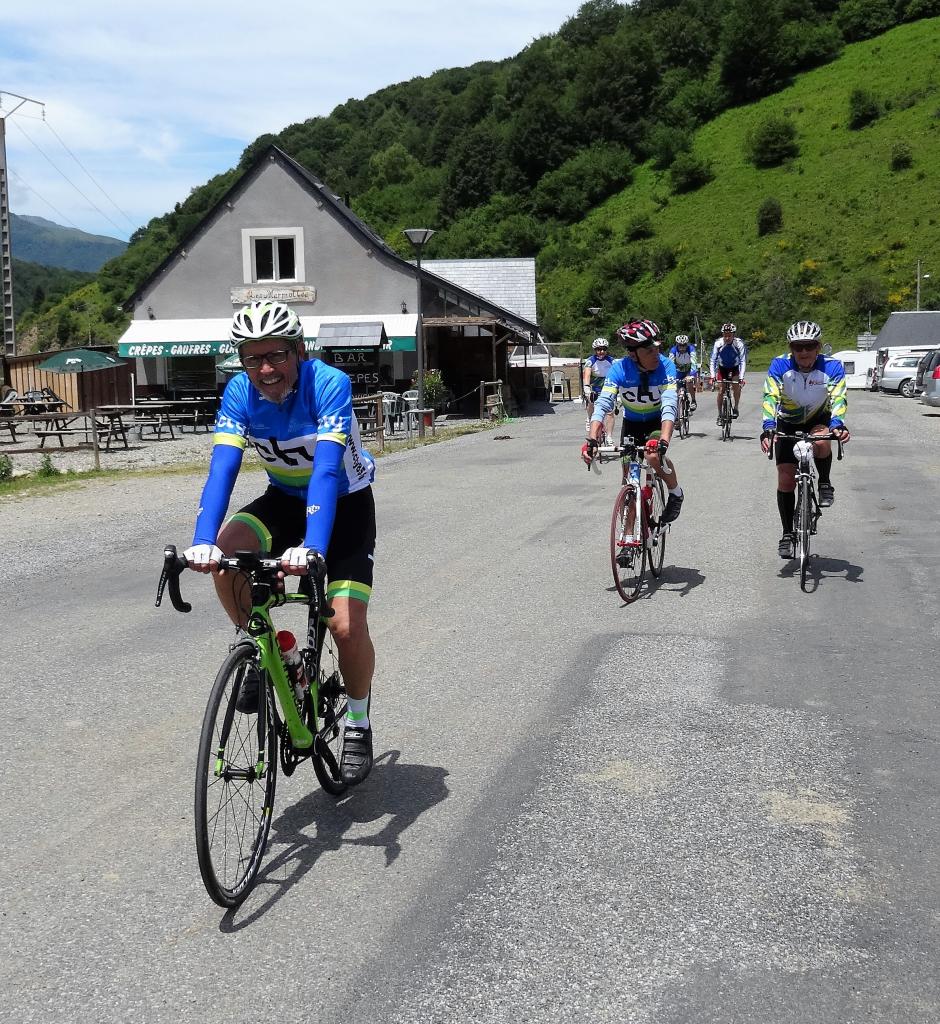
805	391
644	382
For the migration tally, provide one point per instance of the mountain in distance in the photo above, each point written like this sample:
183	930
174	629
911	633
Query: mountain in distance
37	240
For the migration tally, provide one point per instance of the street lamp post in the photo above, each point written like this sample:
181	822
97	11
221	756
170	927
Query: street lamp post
419	237
920	277
593	310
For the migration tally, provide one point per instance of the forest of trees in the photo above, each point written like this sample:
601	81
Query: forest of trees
501	157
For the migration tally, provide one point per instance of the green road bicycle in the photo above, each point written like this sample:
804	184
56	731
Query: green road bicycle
240	751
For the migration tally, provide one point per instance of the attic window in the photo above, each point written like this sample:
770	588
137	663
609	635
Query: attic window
272	255
274	259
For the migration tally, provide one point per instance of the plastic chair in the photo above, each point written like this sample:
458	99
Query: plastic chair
559	385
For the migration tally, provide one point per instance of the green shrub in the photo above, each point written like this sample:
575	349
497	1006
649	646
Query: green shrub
662	260
863	109
689	172
582	182
6	468
902	156
771	142
640	226
862	19
47	468
769	216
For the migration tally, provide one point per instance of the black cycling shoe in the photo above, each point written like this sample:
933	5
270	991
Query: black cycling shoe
827	495
734	414
694	405
785	546
672	509
247	700
357	755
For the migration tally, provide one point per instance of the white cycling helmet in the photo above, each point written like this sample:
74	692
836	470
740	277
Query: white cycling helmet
725	328
265	320
600	343
804	330
682	339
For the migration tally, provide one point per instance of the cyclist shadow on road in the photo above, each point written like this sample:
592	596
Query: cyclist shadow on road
395	795
676	579
822	568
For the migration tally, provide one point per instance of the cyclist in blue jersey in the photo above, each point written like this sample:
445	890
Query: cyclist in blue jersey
644	382
805	391
596	368
728	362
685	361
318	508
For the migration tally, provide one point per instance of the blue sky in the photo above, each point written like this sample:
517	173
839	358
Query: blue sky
154	99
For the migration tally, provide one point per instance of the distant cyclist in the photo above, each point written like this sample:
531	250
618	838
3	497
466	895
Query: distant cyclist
596	368
685	361
728	362
645	384
804	390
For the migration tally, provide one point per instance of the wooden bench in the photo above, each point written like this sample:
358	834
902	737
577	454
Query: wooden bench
155	423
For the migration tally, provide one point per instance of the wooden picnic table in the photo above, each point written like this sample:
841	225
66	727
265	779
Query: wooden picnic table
94	428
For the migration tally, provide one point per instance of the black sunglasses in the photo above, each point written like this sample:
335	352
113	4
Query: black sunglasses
808	346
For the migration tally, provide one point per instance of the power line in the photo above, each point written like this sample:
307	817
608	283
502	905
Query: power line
19	128
91	178
42	198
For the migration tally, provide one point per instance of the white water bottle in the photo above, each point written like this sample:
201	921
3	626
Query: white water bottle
293	662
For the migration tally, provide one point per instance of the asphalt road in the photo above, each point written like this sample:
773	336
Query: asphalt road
716	804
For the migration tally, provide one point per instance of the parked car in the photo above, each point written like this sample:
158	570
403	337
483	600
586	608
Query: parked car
898	374
928	378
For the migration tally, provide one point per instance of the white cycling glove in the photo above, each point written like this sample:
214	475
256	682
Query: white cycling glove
587	391
296	558
200	555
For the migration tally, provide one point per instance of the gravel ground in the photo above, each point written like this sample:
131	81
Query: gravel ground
185	449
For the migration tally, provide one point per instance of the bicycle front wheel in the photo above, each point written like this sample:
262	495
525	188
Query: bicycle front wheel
627	558
655	555
804	513
726	417
236	777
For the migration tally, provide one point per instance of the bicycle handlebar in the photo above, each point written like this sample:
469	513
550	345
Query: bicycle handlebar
267	569
803	435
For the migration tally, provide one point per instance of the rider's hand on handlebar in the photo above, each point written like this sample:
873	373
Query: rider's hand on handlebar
589	450
587	392
294	561
841	434
203	557
766	441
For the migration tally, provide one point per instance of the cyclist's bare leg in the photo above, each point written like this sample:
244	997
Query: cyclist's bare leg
736	391
609	427
786	477
668	478
230	587
350	629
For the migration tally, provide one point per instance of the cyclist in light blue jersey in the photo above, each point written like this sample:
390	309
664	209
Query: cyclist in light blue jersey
318	507
729	362
685	361
596	367
644	383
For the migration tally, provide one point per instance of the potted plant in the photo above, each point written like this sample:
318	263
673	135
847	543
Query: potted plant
435	390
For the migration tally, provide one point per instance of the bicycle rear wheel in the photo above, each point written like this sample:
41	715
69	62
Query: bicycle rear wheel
626	559
726	416
330	717
684	414
236	778
655	555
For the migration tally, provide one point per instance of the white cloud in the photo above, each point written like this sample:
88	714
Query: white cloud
154	99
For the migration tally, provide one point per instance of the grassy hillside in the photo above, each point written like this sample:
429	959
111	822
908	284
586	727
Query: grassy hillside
37	240
853	228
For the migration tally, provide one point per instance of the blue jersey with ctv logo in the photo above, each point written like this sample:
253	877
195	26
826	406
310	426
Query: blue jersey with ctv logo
644	396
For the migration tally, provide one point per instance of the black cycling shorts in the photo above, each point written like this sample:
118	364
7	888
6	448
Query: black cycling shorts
783	449
640	431
727	373
279	521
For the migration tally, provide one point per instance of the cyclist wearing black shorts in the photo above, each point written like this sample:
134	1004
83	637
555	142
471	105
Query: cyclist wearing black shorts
298	415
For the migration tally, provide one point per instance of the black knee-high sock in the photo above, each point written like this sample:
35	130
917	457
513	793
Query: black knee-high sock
786	503
824	467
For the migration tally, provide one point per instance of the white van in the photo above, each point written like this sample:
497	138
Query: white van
859	368
884	354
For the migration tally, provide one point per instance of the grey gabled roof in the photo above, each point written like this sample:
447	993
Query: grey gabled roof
371	239
920	327
509	282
